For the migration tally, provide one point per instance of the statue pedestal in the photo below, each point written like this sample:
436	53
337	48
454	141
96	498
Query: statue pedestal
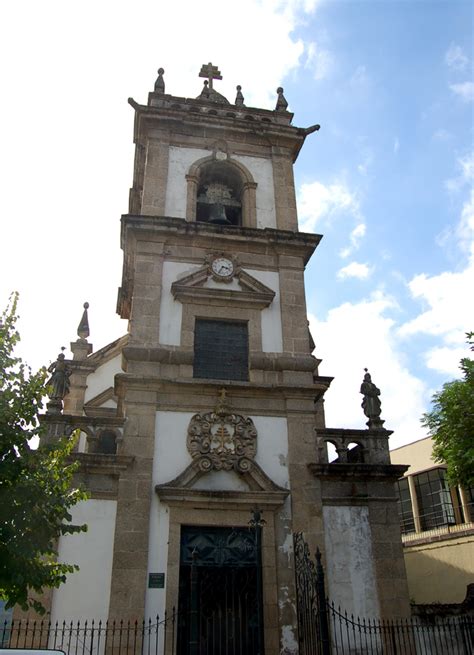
55	406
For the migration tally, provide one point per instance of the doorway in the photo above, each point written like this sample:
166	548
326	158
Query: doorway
220	592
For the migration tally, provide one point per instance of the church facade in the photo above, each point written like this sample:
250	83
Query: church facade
203	440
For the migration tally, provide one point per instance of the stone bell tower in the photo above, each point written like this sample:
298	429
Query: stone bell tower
213	289
222	449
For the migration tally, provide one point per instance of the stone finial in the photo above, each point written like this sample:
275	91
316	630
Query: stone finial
239	98
205	93
256	520
371	402
222	405
81	347
83	327
160	83
281	104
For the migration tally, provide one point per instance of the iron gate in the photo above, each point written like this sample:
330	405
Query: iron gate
313	631
324	629
220	596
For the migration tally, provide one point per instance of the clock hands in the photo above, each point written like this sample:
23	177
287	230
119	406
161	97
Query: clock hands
224	268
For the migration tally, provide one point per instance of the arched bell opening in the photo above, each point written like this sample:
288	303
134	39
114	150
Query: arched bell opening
219	194
331	451
104	442
355	453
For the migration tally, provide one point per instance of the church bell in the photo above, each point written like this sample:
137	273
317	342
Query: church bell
217	214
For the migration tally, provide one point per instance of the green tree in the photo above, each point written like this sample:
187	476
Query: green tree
35	483
451	424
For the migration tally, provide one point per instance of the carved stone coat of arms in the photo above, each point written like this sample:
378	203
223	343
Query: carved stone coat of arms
221	440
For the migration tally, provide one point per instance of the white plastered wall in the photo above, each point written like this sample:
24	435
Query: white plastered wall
171	457
262	172
272	336
180	161
350	571
103	378
86	593
171	310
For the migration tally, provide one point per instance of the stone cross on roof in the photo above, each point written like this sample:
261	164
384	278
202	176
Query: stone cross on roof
211	72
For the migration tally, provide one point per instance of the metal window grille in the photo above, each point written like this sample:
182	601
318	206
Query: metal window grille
405	509
434	499
221	350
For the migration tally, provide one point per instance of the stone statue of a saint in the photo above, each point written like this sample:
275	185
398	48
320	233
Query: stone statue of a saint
371	403
59	380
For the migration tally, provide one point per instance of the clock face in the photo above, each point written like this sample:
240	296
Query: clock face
222	267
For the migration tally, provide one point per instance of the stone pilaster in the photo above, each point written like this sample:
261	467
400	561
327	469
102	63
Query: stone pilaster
130	557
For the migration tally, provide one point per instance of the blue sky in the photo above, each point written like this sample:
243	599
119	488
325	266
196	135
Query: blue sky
388	179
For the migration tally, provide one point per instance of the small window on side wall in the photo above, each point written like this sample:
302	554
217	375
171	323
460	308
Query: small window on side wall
220	350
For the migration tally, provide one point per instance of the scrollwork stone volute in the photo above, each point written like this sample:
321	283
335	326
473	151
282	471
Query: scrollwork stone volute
221	440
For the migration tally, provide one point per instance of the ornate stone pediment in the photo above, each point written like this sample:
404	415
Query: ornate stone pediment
222	440
250	292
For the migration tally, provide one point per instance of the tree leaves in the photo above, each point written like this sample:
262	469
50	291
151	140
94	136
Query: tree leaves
451	424
35	484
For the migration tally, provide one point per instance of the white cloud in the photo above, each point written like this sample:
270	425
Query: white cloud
465	165
465	228
463	233
360	78
465	90
442	135
359	335
317	201
396	145
358	232
355	238
455	57
355	269
450	310
319	60
445	359
367	160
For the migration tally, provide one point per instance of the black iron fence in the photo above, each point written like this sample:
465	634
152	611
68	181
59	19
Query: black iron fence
152	637
355	636
324	629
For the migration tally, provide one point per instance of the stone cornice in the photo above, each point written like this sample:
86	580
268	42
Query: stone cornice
391	472
163	229
271	126
70	422
202	498
355	433
304	242
99	463
185	385
108	352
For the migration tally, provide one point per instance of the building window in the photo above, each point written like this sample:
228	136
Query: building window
405	509
434	499
468	510
220	350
